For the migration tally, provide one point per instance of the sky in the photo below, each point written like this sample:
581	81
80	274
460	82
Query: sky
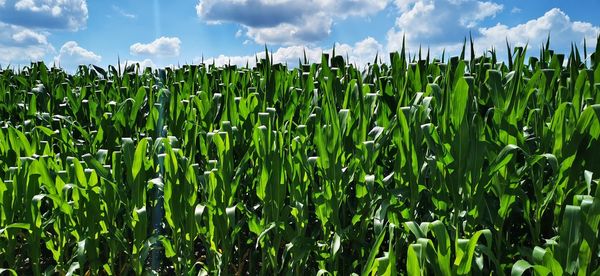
165	33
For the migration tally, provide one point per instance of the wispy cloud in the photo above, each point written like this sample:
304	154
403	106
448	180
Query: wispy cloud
123	12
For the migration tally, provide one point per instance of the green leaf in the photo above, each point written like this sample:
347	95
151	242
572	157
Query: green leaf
8	270
413	259
460	99
16	225
570	238
139	157
520	267
464	258
372	254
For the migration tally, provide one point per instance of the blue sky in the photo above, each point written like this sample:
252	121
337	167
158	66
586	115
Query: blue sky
162	33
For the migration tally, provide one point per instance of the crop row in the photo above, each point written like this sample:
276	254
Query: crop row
444	166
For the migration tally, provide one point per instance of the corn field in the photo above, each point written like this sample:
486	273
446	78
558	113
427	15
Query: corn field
418	166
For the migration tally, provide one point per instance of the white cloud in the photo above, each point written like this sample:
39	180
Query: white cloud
483	10
72	55
221	60
404	5
26	24
361	53
285	22
434	24
45	14
147	63
123	13
143	63
515	10
556	23
20	45
289	34
21	54
437	23
161	47
27	36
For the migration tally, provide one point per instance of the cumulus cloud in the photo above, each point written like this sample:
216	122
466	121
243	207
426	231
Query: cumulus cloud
72	55
438	22
145	63
288	34
360	53
26	24
19	45
21	54
45	14
161	47
435	24
27	36
285	22
556	23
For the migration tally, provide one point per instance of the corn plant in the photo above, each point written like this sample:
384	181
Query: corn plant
462	165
